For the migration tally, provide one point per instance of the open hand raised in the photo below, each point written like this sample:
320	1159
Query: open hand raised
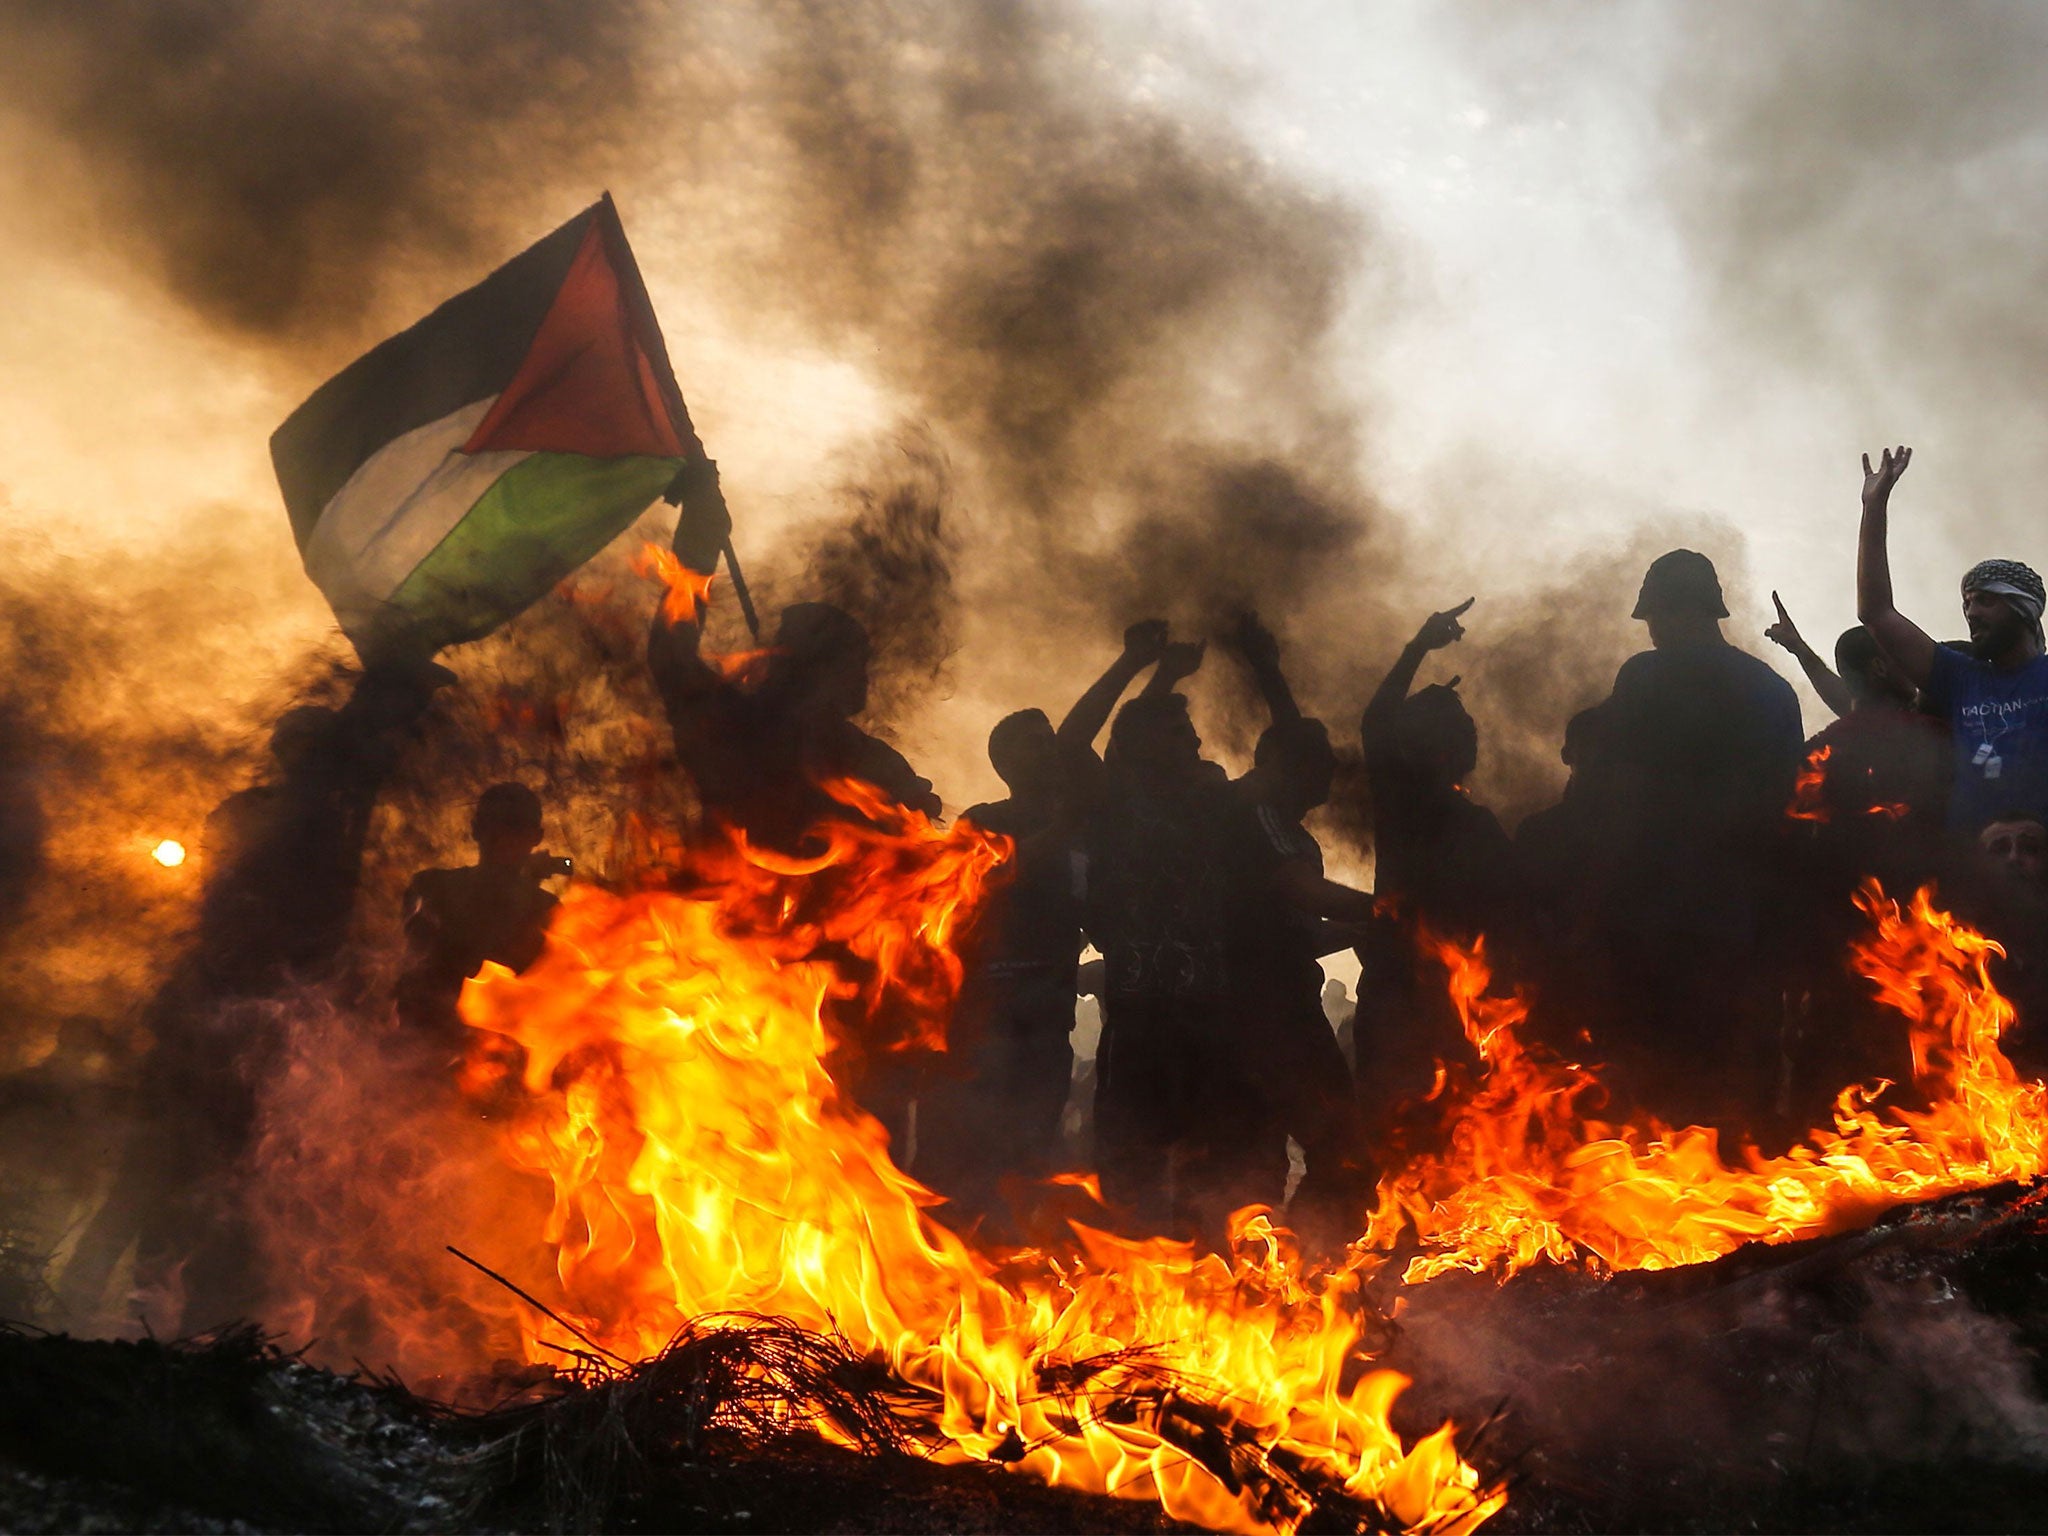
1878	482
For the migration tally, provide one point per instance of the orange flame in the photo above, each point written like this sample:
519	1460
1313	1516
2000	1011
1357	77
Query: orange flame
747	668
1807	804
683	603
680	1050
688	590
1530	1175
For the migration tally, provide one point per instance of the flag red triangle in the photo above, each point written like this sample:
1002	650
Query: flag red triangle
590	383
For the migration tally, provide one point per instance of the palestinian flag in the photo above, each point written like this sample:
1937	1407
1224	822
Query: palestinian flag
451	476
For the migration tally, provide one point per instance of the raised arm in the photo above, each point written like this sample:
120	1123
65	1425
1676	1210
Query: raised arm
1143	644
1905	642
1785	634
1438	631
1180	660
702	527
1303	887
1261	654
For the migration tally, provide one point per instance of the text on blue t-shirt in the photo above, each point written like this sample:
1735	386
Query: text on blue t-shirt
1999	722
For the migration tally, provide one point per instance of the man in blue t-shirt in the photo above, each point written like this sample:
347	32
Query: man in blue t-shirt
1995	699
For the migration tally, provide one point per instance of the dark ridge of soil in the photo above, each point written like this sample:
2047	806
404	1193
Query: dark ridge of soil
1893	1378
228	1436
1886	1379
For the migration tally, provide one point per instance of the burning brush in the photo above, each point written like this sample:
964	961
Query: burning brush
707	1163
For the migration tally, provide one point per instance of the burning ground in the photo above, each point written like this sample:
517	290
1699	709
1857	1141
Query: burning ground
650	1144
1095	379
740	1316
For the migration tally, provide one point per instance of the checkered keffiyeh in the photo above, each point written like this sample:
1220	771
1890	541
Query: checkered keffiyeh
2016	583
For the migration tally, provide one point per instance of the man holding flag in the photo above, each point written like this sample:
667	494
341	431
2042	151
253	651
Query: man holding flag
437	487
448	478
454	474
761	755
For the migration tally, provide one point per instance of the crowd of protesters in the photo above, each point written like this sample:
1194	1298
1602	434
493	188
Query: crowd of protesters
1678	918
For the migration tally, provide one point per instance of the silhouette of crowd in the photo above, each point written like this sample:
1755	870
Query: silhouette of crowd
1679	918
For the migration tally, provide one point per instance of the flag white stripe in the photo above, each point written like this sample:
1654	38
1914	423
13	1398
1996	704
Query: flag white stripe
396	509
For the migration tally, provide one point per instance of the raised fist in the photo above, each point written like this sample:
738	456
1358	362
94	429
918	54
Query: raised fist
1145	640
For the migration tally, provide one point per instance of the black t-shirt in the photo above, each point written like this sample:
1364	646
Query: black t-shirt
1705	745
1440	859
1166	885
1031	924
456	919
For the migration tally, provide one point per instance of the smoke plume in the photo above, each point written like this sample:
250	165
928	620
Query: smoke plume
273	165
1096	338
1861	190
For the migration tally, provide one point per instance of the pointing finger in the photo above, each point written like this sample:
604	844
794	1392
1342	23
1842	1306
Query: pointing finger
1866	463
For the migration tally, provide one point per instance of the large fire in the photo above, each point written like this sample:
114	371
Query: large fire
684	1060
685	1055
1531	1174
688	1062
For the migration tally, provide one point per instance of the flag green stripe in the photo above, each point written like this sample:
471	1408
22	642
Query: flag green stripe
540	520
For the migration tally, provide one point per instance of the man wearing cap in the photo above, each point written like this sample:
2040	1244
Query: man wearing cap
1702	743
1995	699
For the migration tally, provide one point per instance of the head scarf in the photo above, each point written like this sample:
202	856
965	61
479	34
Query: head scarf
2016	583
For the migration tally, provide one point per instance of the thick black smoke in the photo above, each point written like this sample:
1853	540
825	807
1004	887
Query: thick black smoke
276	164
121	725
1112	326
888	561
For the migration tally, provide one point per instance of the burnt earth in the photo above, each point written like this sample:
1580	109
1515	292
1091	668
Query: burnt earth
230	1436
1884	1379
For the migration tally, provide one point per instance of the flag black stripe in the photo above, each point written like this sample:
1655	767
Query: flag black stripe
464	351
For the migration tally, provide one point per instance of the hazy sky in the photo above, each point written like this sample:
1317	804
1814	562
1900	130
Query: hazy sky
1634	264
1572	356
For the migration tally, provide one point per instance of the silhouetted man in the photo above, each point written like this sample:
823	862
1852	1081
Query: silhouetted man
456	919
994	1109
1160	900
1872	802
1705	744
760	748
1290	916
285	859
1444	867
762	745
1883	766
1567	860
1559	844
1995	700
